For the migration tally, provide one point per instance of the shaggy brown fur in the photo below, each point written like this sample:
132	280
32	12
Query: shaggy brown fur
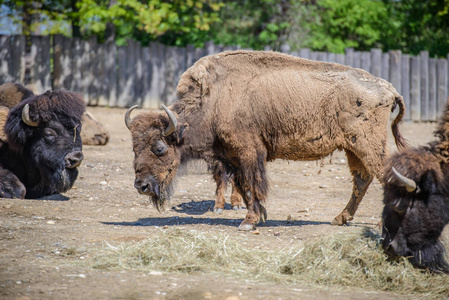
3	116
12	93
413	221
244	108
93	132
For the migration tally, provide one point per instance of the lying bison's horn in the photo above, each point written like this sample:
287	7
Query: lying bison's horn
410	184
127	116
26	116
173	122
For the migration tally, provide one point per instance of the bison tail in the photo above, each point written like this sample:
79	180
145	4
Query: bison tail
400	141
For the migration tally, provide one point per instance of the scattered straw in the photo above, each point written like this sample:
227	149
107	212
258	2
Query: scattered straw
349	259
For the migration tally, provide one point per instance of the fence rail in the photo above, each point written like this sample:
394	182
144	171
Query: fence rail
109	75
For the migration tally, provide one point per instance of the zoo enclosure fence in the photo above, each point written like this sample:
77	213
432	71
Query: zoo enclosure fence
121	76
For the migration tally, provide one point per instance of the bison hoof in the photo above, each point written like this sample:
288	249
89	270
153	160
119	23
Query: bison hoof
237	207
246	227
218	210
337	222
342	219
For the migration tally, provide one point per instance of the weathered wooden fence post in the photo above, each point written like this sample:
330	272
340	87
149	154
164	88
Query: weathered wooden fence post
376	65
424	93
442	84
415	88
405	84
175	65
40	71
432	112
12	58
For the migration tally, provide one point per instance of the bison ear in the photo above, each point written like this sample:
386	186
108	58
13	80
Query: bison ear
178	135
428	182
182	130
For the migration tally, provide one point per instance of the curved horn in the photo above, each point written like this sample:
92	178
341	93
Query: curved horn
410	184
173	122
26	116
127	115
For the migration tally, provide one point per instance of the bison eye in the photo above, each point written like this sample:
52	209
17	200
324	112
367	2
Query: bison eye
159	149
50	135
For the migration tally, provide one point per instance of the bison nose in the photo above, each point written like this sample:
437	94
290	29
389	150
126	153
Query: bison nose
73	159
390	251
143	186
146	186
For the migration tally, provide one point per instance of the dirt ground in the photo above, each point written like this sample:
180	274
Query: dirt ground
46	244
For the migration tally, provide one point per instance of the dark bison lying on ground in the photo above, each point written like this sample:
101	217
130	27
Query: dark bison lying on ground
93	133
239	109
43	147
416	197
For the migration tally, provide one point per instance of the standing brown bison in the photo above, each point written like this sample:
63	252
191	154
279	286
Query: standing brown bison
42	147
239	109
416	198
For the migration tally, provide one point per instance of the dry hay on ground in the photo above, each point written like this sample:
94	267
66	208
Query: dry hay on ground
350	260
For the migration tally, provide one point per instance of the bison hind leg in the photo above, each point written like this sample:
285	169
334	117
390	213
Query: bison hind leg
361	181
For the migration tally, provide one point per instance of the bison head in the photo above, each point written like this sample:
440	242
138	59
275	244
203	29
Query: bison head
156	139
44	131
415	213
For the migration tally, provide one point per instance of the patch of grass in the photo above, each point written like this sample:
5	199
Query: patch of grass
350	260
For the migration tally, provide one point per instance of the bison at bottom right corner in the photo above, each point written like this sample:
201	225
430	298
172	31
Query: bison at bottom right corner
416	198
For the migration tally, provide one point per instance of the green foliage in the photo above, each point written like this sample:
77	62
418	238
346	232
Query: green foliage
43	16
252	24
322	25
360	24
424	25
174	22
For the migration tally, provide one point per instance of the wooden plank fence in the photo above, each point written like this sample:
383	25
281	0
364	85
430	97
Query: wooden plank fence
109	75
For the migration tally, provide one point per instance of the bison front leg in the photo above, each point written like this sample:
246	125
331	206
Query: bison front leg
254	190
256	213
10	185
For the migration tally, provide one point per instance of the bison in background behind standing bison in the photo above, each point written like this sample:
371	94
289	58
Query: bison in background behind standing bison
244	108
416	198
42	147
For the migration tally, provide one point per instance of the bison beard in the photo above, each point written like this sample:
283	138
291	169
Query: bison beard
43	147
240	109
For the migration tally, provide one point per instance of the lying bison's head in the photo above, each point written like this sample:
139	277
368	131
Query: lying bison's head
156	138
415	213
44	131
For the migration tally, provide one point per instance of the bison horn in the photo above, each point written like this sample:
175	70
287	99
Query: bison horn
127	115
173	122
26	116
410	184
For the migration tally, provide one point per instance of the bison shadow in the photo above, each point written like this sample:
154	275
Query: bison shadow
54	197
175	221
197	208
